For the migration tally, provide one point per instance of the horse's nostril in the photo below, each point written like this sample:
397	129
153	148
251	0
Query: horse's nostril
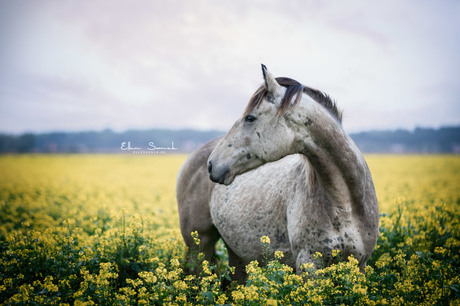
209	167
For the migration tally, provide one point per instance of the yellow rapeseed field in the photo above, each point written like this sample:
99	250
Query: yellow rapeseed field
104	229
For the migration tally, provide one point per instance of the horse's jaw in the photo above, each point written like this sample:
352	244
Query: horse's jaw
224	171
222	176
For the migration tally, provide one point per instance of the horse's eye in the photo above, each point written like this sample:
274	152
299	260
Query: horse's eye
250	118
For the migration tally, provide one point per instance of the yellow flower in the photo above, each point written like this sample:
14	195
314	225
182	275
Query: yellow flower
205	266
222	299
359	290
76	201
272	302
317	255
195	237
440	250
49	284
253	267
175	263
238	296
180	285
316	299
307	266
265	240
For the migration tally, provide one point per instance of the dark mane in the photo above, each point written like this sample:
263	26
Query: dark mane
294	88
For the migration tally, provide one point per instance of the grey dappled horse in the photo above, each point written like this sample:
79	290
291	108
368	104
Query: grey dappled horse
286	170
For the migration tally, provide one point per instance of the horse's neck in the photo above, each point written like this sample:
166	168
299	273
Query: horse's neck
339	166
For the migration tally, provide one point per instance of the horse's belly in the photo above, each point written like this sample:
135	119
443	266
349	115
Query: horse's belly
254	205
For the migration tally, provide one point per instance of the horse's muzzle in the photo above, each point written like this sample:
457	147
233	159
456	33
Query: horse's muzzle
217	174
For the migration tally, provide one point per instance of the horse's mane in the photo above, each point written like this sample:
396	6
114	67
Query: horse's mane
294	88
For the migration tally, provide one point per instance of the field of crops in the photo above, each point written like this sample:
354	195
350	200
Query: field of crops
104	229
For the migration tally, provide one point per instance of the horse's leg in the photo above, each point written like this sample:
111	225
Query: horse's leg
195	217
234	260
304	256
208	238
193	192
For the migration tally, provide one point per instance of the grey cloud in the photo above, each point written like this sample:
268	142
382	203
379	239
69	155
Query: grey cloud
119	64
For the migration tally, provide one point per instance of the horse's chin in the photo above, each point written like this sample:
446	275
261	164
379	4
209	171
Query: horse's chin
226	179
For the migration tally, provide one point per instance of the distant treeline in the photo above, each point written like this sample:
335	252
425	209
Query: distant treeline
420	140
107	141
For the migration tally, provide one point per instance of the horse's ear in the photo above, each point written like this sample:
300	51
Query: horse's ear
271	84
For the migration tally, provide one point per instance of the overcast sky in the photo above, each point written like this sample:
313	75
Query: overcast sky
90	65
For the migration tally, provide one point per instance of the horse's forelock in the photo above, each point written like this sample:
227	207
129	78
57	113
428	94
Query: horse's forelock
293	88
256	99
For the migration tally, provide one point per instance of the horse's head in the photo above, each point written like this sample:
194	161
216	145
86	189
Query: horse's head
261	135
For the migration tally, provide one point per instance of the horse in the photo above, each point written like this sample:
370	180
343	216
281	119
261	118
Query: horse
287	170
